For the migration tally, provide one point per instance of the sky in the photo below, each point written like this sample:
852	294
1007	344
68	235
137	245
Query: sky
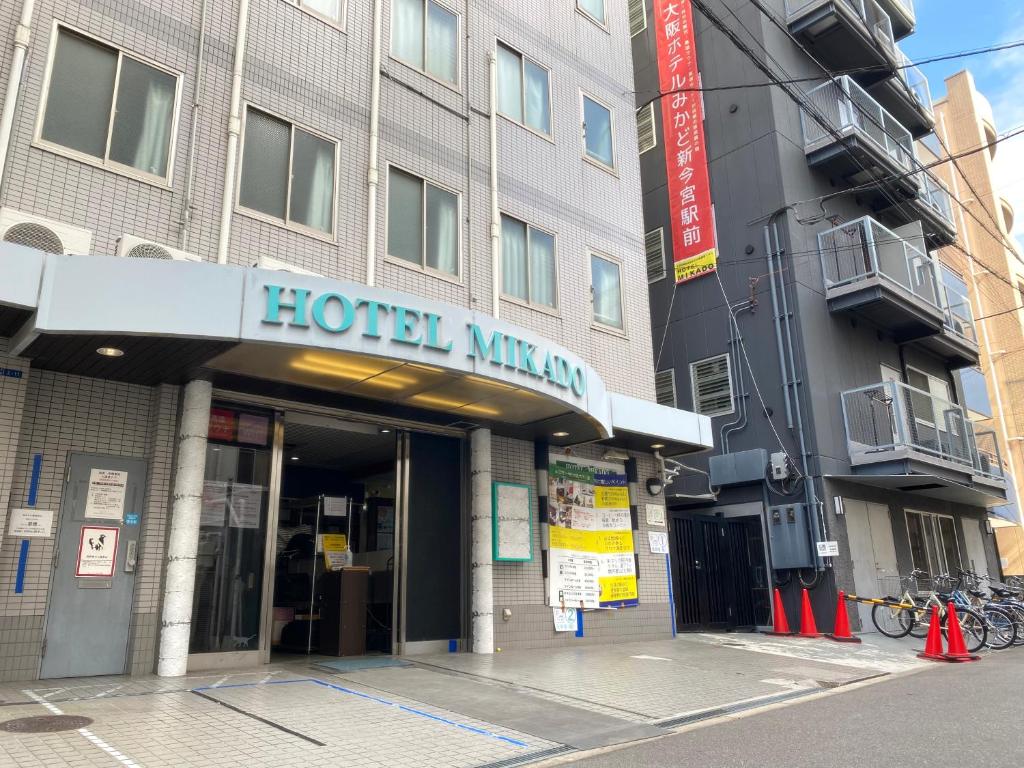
951	26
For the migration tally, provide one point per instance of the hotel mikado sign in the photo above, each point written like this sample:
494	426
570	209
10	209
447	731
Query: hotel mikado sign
307	311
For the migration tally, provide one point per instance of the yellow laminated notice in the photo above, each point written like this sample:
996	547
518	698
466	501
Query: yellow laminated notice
615	588
611	497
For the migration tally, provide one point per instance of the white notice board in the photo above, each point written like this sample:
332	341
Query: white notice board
512	513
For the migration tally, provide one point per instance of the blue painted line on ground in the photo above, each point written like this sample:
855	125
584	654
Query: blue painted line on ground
378	700
671	594
19	581
33	486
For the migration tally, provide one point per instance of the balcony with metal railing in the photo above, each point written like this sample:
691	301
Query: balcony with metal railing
877	273
907	96
957	342
851	136
902	15
844	34
904	438
934	206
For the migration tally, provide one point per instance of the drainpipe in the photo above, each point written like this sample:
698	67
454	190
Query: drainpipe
778	325
481	575
740	422
372	170
810	493
190	170
234	132
492	61
22	34
183	541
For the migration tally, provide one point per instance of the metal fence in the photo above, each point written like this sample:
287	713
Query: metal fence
915	81
890	415
863	249
848	109
935	194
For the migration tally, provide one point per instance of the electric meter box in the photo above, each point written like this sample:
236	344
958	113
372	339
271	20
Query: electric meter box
788	535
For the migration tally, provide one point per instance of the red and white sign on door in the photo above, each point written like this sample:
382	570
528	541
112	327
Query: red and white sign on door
694	243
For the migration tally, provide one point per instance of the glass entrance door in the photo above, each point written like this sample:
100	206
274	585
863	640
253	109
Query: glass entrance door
230	559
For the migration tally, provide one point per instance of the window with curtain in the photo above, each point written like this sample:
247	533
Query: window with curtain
524	91
597	132
593	8
287	173
423	223
105	104
425	35
528	270
606	289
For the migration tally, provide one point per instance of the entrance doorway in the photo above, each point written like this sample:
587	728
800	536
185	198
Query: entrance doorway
334	566
720	577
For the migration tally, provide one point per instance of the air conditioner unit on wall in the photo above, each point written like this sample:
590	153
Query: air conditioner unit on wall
134	247
42	233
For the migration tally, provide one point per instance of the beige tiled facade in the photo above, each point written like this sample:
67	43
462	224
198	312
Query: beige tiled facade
994	275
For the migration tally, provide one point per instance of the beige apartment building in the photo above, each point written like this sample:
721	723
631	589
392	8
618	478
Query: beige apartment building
994	280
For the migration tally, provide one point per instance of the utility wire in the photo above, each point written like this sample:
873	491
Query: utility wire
838	73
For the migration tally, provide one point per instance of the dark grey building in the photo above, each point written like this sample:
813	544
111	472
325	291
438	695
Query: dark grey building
835	396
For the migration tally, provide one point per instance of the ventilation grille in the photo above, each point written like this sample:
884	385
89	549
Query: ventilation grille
34	236
148	251
654	248
645	128
637	16
665	387
712	386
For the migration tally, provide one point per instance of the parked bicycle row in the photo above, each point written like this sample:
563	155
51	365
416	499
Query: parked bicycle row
990	612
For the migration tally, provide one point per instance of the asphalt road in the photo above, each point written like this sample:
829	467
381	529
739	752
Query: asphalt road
951	716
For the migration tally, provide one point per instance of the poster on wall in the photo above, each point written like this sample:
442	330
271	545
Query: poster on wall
97	552
512	517
694	241
590	555
104	500
245	505
215	504
30	523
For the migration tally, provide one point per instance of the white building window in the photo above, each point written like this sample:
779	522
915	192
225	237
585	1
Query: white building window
524	90
597	132
288	173
332	10
711	384
595	9
606	289
528	269
423	223
426	36
108	106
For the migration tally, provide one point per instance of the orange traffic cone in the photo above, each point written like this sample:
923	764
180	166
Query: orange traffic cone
933	645
807	625
780	625
957	647
841	632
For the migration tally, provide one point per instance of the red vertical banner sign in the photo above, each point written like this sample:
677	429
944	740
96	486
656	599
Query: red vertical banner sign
694	242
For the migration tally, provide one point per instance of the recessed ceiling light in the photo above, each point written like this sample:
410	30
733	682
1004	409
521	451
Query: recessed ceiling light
295	458
657	446
559	434
110	351
384	430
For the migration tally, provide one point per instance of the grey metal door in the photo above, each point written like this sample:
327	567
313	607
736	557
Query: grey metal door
89	611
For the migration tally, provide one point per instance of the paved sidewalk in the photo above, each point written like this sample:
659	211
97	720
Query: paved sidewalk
457	710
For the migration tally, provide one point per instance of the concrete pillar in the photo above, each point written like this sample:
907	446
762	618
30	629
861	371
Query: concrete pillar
186	504
481	575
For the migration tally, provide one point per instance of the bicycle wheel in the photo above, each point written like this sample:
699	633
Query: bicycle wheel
892	622
973	627
1017	611
1001	629
922	618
